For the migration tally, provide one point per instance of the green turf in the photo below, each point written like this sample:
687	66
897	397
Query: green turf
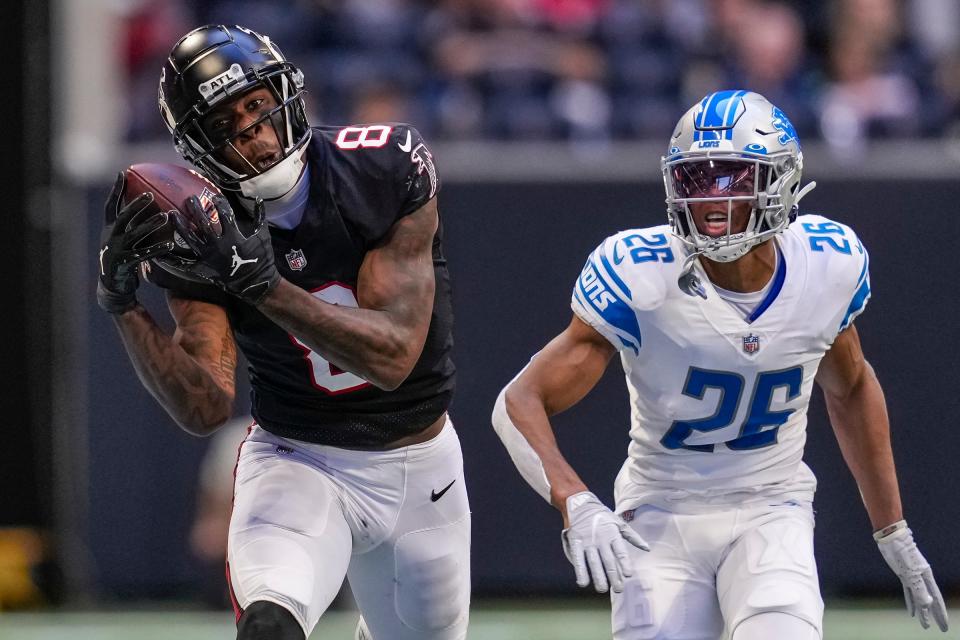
547	621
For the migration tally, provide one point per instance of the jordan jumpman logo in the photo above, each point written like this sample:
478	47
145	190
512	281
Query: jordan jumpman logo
237	260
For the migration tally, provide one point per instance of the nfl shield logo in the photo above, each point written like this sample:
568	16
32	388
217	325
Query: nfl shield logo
296	259
206	203
751	343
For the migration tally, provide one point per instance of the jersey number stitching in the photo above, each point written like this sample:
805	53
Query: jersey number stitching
654	249
841	245
323	375
753	434
357	137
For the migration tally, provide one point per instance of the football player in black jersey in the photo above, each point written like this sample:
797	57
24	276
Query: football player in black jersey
340	302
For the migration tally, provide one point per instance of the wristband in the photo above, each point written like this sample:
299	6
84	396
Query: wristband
889	530
113	302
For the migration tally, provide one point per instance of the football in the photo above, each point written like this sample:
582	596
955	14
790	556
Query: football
171	185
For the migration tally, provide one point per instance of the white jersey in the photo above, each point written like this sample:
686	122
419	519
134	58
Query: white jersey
718	402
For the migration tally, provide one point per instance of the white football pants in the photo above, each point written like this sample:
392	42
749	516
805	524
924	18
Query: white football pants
395	523
706	573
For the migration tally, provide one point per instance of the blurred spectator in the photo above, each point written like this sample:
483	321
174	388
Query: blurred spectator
936	25
363	44
768	56
588	70
381	102
151	27
647	64
875	76
530	77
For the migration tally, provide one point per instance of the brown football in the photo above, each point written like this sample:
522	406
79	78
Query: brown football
171	185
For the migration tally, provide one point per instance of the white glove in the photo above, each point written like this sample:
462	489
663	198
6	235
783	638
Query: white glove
595	539
919	589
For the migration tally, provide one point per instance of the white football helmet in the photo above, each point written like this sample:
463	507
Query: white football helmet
733	146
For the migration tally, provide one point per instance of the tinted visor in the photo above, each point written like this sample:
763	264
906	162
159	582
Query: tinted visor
714	178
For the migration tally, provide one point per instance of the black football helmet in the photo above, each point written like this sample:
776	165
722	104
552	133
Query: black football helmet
215	63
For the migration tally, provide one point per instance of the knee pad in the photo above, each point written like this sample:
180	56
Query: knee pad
773	571
785	598
432	579
264	620
775	625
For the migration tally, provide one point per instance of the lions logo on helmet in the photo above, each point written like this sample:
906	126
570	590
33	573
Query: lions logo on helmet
733	146
781	122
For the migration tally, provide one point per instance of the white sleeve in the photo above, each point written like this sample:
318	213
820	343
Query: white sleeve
526	460
601	299
861	291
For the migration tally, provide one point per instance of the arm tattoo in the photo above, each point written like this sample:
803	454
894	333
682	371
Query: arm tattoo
227	364
190	374
381	340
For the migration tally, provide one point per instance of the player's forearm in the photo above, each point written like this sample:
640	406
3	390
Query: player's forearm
380	346
529	416
862	427
199	400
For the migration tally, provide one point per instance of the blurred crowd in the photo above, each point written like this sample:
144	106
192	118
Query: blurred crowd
590	70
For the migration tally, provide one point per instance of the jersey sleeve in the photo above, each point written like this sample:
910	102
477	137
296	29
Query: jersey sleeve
840	268
419	181
603	300
385	171
861	290
153	273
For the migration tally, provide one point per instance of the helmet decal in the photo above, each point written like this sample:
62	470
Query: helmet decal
717	114
219	83
782	123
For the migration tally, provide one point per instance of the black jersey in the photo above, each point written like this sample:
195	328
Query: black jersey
362	180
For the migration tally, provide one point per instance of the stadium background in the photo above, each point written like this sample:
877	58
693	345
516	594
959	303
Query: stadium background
547	119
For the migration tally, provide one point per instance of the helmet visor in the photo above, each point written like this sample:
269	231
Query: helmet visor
714	178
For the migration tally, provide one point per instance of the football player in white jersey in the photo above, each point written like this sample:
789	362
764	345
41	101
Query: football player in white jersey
723	320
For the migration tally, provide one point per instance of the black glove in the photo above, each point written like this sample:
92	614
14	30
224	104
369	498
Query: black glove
242	265
124	243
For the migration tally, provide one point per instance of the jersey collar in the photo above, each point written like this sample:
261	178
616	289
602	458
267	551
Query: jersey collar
778	279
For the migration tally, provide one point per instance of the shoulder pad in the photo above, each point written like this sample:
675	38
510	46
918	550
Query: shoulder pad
382	172
624	275
646	260
387	150
837	258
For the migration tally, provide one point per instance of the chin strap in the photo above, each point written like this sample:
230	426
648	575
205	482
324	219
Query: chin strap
688	281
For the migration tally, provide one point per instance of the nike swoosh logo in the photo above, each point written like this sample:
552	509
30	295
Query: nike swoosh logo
617	258
434	496
406	146
103	251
